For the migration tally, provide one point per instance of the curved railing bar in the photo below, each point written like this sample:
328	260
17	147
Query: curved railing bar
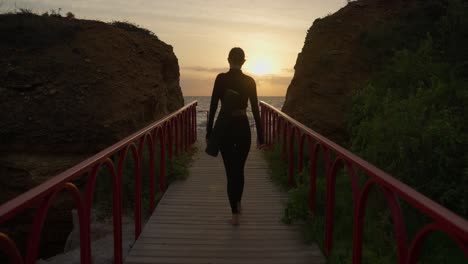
314	148
10	208
176	124
151	144
422	235
162	160
330	206
137	192
170	138
397	217
274	129
45	192
300	165
393	189
40	217
284	133
453	222
186	131
8	246
291	135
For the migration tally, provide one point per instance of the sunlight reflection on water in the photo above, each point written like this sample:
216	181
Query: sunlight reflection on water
204	105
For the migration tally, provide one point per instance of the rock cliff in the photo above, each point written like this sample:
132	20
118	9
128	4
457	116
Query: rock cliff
71	87
332	65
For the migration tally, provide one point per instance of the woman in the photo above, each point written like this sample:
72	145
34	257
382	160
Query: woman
231	134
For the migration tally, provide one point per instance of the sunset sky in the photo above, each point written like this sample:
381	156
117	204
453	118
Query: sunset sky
202	32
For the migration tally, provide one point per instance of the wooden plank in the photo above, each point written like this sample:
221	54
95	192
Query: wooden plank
191	260
191	222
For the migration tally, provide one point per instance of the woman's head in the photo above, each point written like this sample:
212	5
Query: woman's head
236	57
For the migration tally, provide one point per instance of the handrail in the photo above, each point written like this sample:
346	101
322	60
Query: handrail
279	126
178	129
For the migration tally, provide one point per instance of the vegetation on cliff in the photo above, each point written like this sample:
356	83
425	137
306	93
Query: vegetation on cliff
410	119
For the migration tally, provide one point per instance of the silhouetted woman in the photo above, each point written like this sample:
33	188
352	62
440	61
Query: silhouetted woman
231	133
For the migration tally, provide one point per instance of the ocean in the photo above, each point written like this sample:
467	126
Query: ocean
204	105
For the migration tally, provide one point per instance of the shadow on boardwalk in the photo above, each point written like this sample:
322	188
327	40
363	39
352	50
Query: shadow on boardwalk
191	223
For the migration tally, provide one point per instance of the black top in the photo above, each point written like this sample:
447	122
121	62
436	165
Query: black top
245	85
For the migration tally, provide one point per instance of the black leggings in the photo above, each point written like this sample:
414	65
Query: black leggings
234	152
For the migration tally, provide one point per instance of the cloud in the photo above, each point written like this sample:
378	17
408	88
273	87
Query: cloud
196	86
204	69
272	84
273	79
267	85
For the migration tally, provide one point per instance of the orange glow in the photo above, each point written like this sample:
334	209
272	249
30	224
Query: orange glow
260	65
270	32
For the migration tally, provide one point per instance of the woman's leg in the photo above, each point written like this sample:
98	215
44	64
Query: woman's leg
234	158
243	152
234	155
230	159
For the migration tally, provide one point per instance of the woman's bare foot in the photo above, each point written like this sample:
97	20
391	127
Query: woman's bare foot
235	219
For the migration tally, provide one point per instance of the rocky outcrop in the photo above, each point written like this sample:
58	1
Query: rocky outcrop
71	87
332	65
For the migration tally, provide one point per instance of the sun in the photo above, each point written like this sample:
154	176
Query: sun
260	65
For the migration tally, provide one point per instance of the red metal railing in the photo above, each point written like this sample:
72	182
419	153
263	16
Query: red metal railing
280	127
178	129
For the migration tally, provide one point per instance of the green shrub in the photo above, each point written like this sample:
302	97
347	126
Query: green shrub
411	118
70	15
176	169
31	31
131	27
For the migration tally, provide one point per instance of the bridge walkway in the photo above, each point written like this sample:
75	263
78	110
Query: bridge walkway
191	224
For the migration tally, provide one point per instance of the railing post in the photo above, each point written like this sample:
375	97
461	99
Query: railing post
278	128
262	118
330	207
117	209
170	137
284	135
291	133
137	159
268	127
175	152
273	129
300	165
186	130
183	131
312	174
182	134
189	126
162	162
195	125
265	124
89	193
36	228
152	169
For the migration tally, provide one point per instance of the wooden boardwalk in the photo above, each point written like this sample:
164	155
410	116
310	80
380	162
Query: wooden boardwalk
191	223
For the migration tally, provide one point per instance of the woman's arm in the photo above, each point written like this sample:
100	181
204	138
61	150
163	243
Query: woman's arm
256	113
215	96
